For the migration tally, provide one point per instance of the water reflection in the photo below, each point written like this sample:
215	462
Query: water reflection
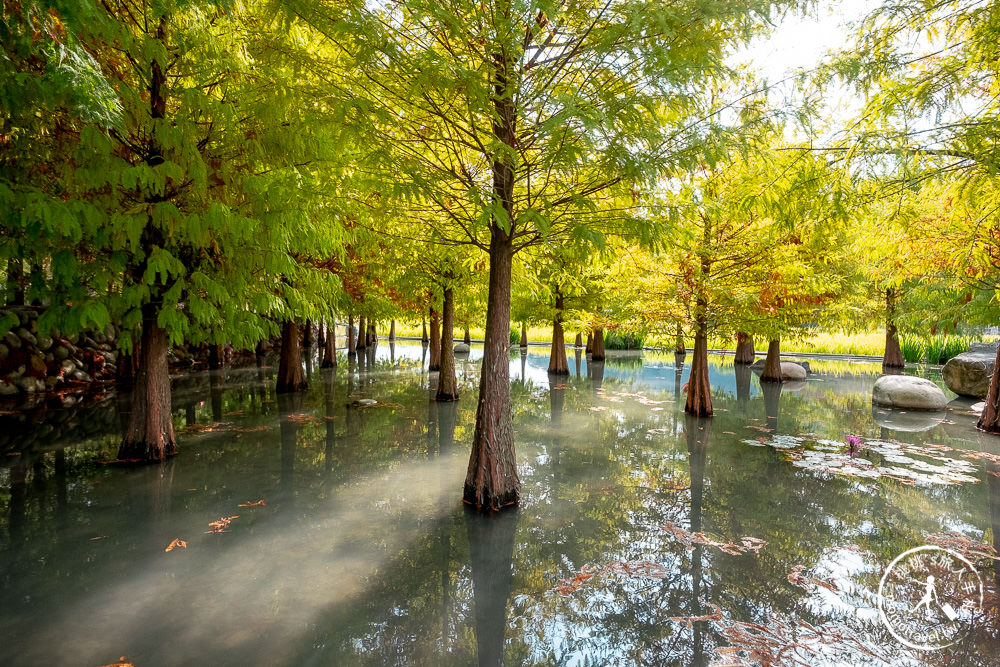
363	553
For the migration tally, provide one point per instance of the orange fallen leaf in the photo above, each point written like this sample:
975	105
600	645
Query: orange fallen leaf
176	543
222	524
99	537
259	503
122	662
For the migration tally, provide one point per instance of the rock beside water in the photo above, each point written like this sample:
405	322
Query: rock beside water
909	392
968	374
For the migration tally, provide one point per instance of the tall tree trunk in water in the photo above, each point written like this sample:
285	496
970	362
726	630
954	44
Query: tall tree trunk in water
128	366
579	340
744	349
491	554
558	364
447	389
15	281
307	336
467	339
590	345
362	341
699	393
524	335
329	349
597	345
150	433
372	336
893	357
392	330
989	421
423	325
697	432
679	341
214	356
772	365
350	335
291	377
492	482
330	406
434	345
743	377
772	401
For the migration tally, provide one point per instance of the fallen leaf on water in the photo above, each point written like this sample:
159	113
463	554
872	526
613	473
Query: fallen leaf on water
99	537
176	543
259	503
222	524
122	662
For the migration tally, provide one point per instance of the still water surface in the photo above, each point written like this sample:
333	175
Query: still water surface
749	536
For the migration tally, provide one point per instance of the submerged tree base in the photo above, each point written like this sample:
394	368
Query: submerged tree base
493	503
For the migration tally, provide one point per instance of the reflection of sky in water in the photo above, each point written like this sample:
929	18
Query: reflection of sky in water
363	554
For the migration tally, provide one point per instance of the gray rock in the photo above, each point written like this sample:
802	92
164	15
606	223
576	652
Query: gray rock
73	338
978	407
8	388
44	343
968	374
805	365
111	357
461	348
983	346
11	340
792	371
4	351
110	332
909	392
68	366
27	336
37	363
909	421
30	385
81	376
60	353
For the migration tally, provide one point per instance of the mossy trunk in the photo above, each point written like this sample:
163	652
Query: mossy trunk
679	341
558	364
392	330
372	338
579	340
589	348
150	434
329	350
291	376
491	481
699	392
989	421
350	335
434	363
307	335
772	365
745	353
597	345
893	357
362	341
447	389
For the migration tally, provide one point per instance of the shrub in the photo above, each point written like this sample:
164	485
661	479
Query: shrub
912	348
615	339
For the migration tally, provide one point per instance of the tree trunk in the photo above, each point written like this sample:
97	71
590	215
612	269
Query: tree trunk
744	349
989	421
423	324
468	338
150	433
128	366
491	481
772	403
291	377
392	330
329	349
372	338
15	282
434	363
491	556
590	344
893	357
743	377
350	335
447	389
772	365
214	356
558	364
307	336
362	342
679	341
524	335
597	345
699	392
579	340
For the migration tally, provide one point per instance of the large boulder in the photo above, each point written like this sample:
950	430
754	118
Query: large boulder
790	370
909	392
911	421
968	374
461	348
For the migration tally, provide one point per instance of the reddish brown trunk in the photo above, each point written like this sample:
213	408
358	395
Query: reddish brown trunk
423	324
558	364
491	481
291	377
350	335
362	341
307	336
989	421
150	433
468	338
372	338
524	335
772	365
214	356
392	330
579	340
128	366
744	349
699	392
597	345
329	349
447	389
434	346
893	357
679	341
590	345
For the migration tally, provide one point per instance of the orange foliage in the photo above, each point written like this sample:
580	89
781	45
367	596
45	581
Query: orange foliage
176	543
222	524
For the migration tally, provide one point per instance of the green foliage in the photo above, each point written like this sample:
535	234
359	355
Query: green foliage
912	348
617	339
937	349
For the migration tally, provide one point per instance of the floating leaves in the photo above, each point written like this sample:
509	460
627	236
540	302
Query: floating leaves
963	545
122	662
222	524
796	578
630	568
222	427
690	539
907	463
259	503
176	543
